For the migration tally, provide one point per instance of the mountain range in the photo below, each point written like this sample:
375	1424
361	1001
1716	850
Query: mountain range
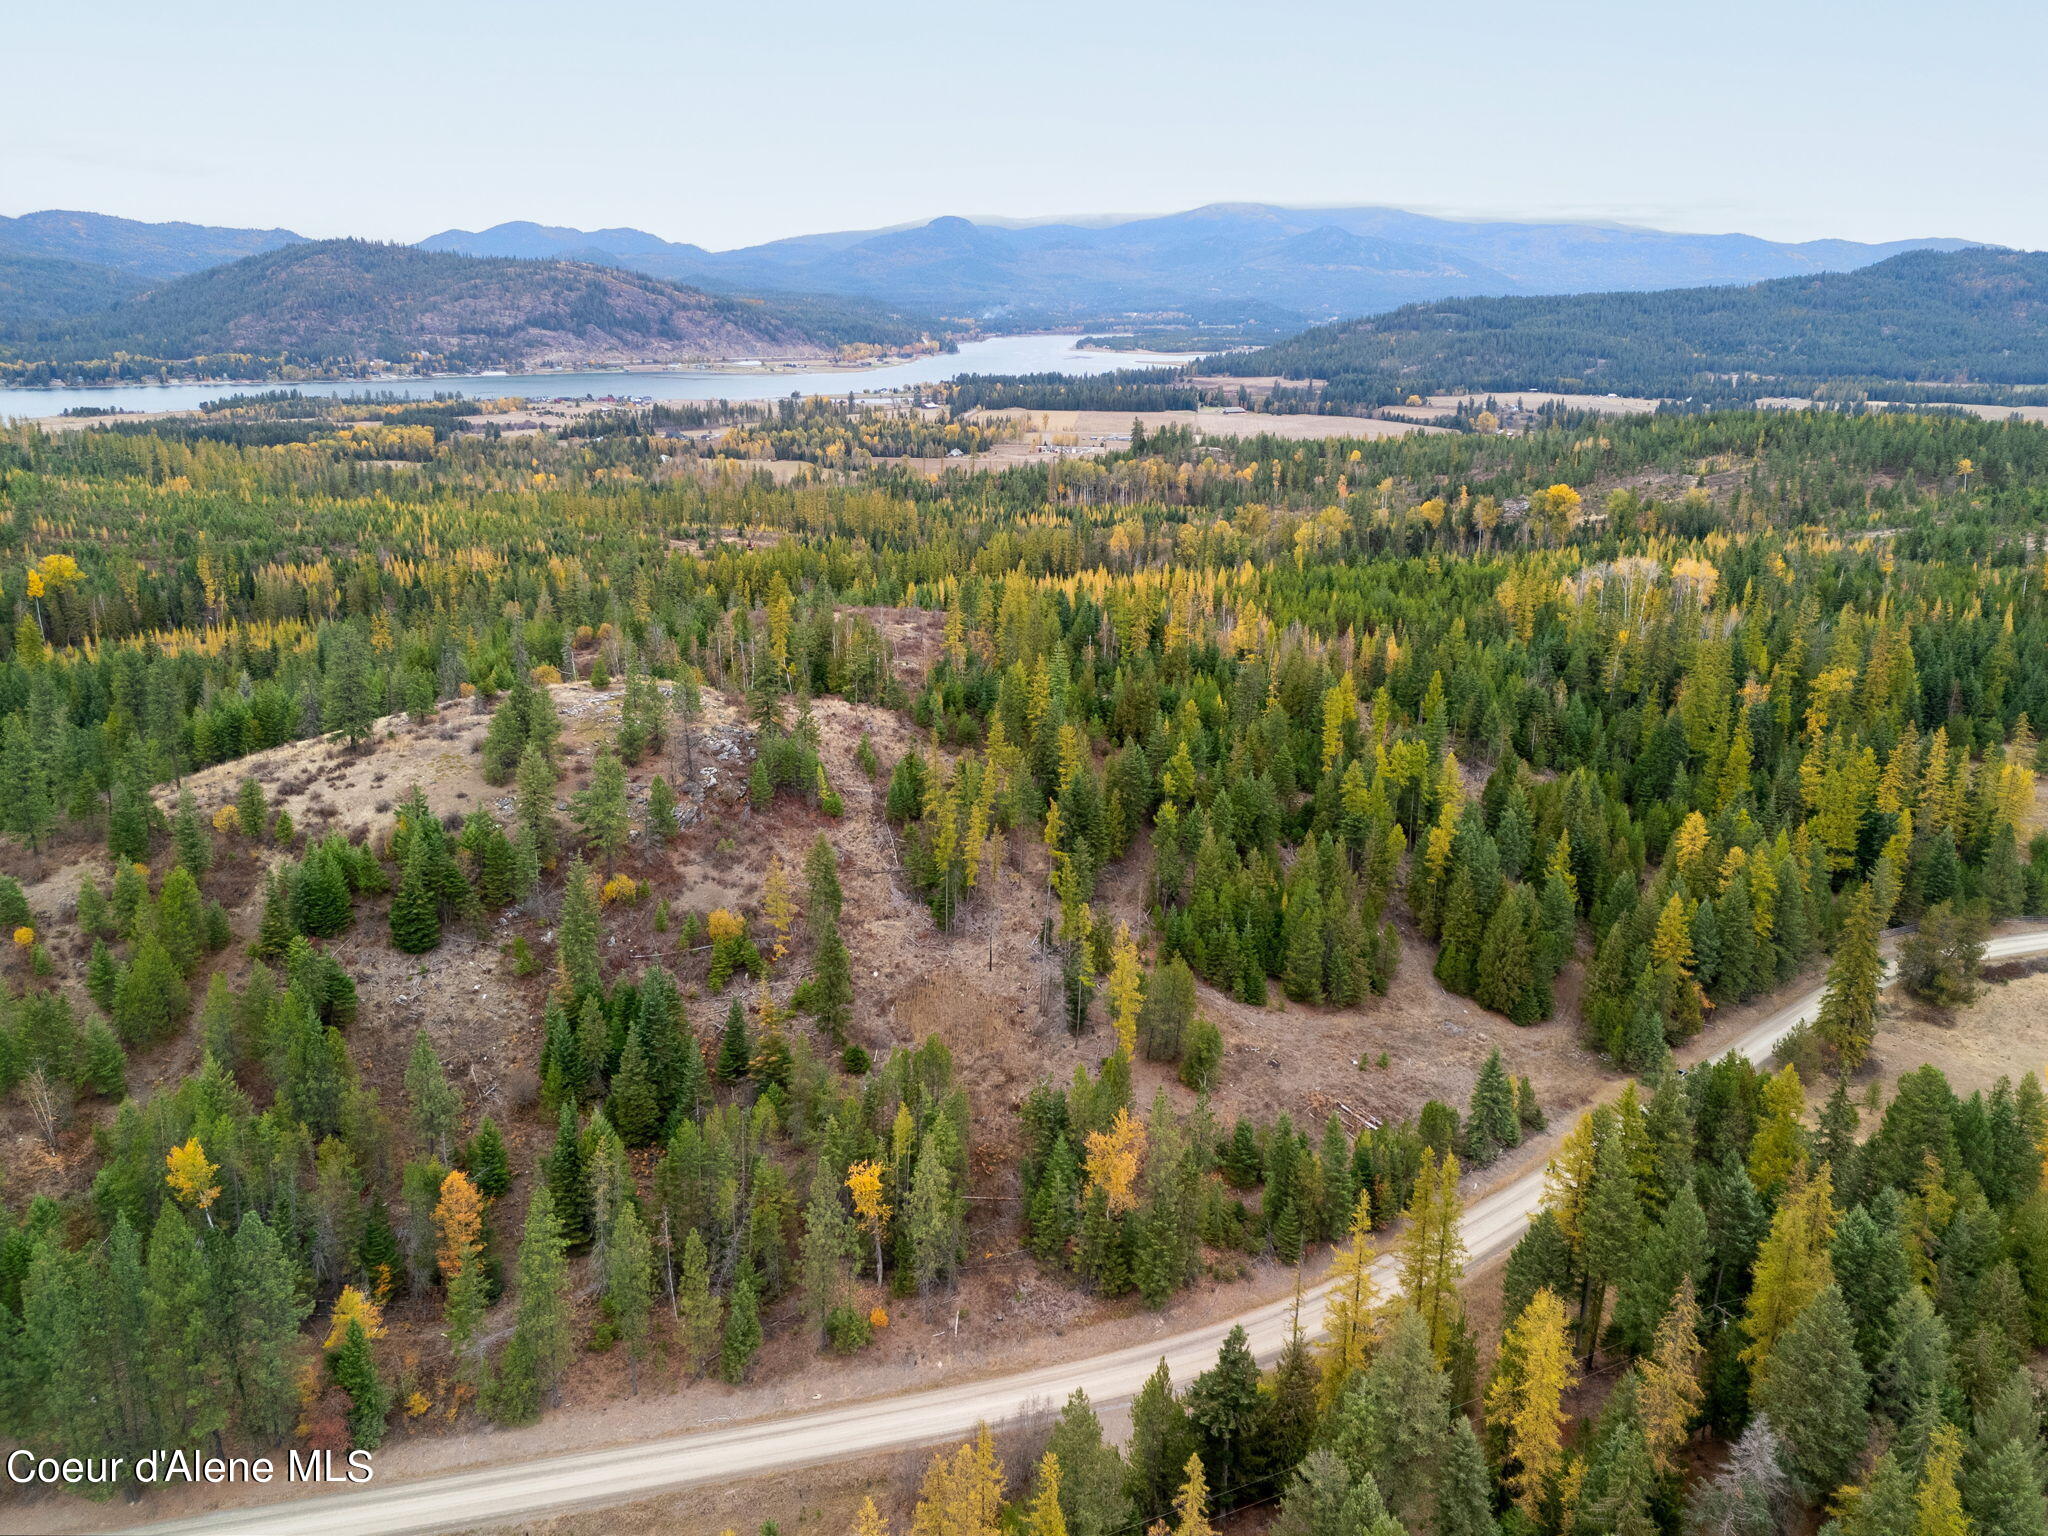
1952	319
1224	262
1227	263
341	304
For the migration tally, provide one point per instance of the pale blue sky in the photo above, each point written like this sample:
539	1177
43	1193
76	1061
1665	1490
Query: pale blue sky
727	124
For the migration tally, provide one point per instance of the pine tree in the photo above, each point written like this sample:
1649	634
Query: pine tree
1847	1022
735	1050
354	1368
1161	1441
1228	1412
320	905
629	1284
431	1103
265	1311
599	809
700	1318
832	981
1393	1421
488	1164
1815	1392
186	1368
576	934
2004	1497
415	909
179	919
189	837
568	1184
1092	1496
348	703
1464	1492
1492	1126
540	1329
742	1338
534	803
634	1107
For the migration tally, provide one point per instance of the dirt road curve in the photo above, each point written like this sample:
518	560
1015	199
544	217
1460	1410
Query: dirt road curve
471	1499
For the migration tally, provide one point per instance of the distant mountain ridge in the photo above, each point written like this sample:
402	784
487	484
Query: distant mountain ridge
341	304
1316	263
1935	318
142	250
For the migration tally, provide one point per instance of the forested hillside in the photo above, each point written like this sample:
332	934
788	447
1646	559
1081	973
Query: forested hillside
1967	317
338	304
709	797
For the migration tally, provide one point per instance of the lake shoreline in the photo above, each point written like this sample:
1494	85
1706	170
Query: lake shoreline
749	379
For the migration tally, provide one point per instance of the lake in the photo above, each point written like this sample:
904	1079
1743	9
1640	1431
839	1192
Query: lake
1001	354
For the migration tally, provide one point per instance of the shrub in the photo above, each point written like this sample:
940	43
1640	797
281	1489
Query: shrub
1201	1055
848	1330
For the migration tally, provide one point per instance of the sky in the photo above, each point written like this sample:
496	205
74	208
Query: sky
728	124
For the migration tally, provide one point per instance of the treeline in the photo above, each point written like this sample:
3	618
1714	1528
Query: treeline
1923	318
1850	1315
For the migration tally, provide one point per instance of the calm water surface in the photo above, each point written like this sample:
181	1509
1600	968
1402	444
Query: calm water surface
1002	354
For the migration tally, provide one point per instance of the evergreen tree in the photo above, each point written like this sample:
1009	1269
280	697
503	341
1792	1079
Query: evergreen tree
1815	1393
568	1184
1847	1022
629	1284
487	1162
1161	1441
1092	1497
599	809
742	1339
265	1311
1228	1412
699	1317
186	1369
415	909
354	1368
432	1104
348	704
540	1329
1492	1126
1392	1423
634	1107
189	837
1464	1493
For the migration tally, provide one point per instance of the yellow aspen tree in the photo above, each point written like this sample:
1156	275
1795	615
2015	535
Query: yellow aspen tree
459	1219
1113	1159
1349	1328
1671	1392
354	1306
1528	1399
1126	989
864	1184
191	1177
